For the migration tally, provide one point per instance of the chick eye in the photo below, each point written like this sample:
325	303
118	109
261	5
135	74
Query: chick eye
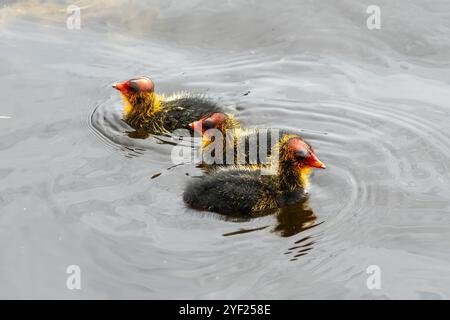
301	153
208	123
133	85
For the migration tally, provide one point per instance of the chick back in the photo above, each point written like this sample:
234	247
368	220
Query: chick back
183	109
256	144
229	191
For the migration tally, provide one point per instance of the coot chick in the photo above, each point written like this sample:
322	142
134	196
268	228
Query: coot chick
157	114
254	144
250	190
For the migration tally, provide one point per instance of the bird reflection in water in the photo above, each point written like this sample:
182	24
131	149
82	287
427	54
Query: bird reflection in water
294	219
290	221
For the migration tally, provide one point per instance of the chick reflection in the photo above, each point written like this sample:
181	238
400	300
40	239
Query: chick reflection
294	219
291	220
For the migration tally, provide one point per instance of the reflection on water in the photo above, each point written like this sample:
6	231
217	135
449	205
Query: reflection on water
77	189
290	221
301	248
294	219
138	134
242	231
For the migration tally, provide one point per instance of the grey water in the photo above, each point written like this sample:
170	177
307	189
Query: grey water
76	190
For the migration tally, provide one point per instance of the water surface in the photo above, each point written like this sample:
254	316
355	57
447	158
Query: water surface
75	189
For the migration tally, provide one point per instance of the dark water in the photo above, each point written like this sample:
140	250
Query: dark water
75	189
